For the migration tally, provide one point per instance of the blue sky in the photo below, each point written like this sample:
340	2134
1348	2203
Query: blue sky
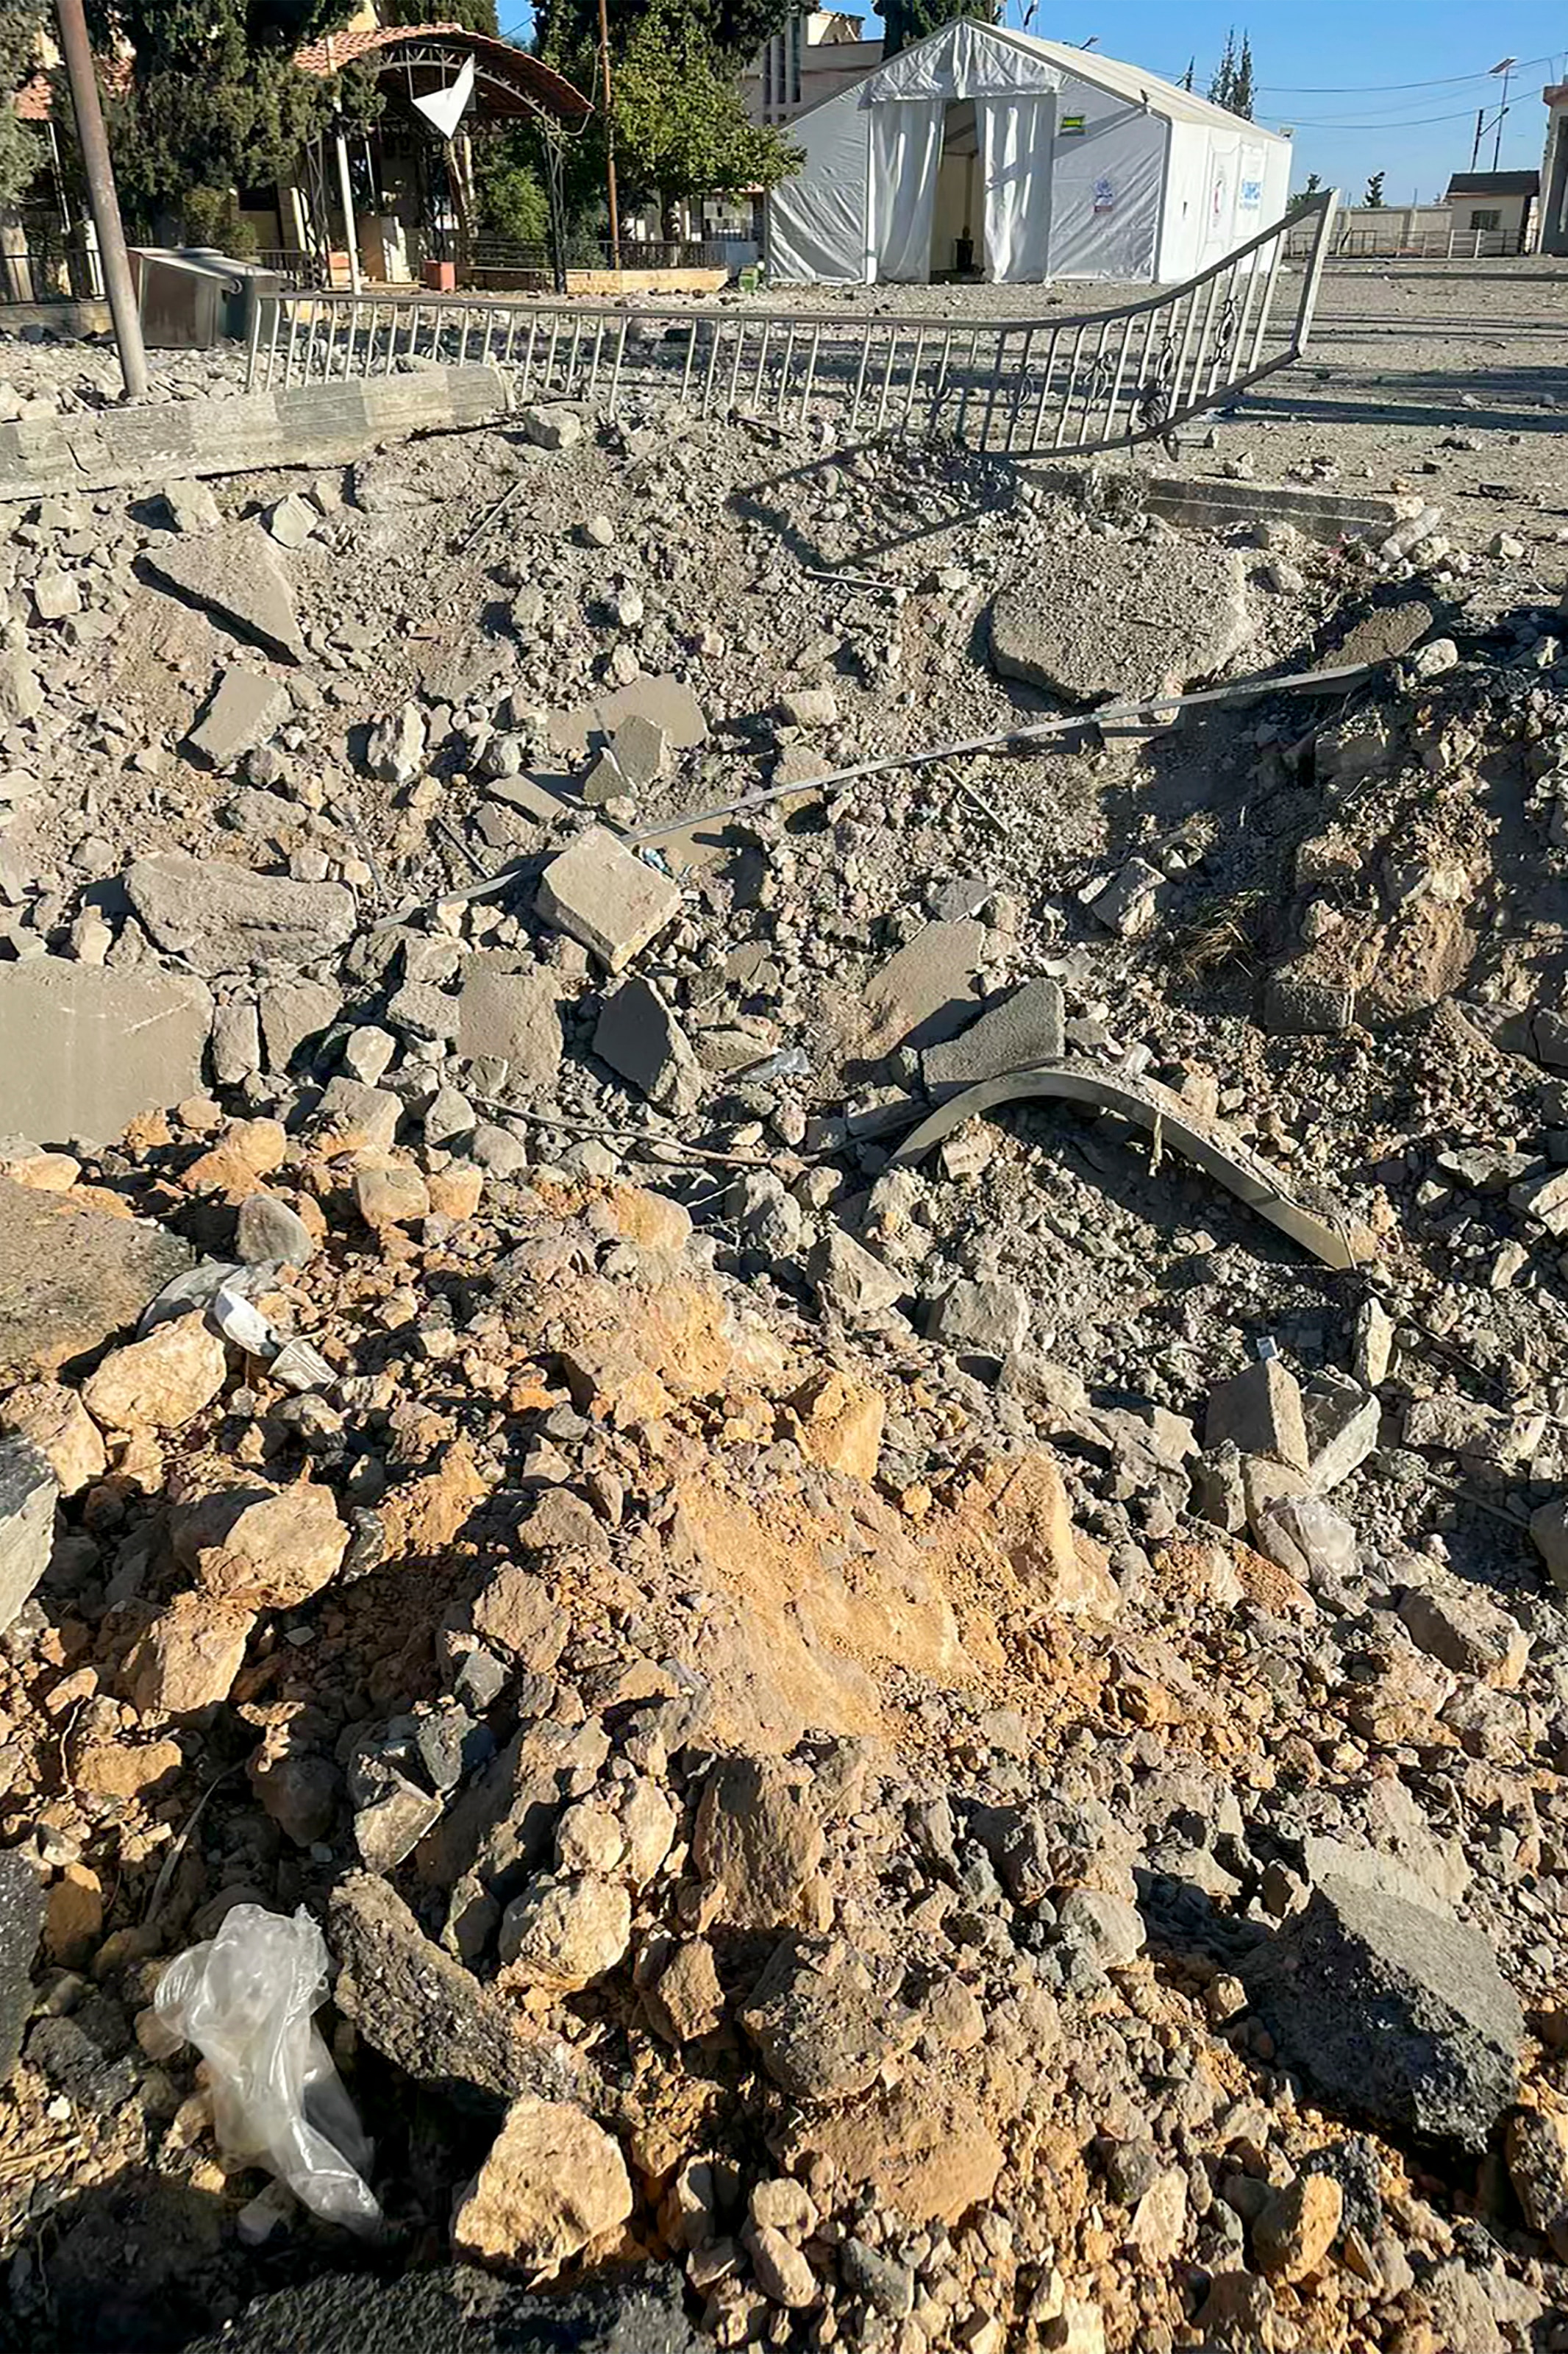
1365	85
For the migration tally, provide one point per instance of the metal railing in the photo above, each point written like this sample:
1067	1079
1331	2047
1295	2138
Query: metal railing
295	264
491	254
1354	242
1111	378
41	270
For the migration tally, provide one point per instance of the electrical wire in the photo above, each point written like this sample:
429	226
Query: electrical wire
1382	88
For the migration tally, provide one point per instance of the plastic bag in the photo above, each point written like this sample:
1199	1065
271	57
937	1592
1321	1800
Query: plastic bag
246	2000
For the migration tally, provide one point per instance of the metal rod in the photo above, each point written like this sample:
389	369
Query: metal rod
620	356
1238	691
102	201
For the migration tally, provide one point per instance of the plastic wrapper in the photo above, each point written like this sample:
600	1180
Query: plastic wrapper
246	2000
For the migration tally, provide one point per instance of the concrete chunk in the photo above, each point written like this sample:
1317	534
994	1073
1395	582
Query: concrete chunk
983	1320
83	1050
246	708
638	1035
395	751
1392	2010
1023	1030
1260	1409
598	893
924	993
292	521
28	1494
1341	1424
233	575
191	507
71	1277
660	698
222	917
1092	618
509	1012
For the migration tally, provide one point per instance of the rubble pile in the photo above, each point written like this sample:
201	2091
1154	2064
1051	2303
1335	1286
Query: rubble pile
931	1751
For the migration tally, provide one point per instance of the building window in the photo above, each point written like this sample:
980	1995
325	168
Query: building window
1492	220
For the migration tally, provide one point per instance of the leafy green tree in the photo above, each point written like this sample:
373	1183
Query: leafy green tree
904	22
1233	85
1224	73
509	191
681	125
1243	89
21	149
566	31
476	15
1304	196
1373	197
214	102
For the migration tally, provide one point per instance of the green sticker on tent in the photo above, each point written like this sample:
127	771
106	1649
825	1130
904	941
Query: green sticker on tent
1073	126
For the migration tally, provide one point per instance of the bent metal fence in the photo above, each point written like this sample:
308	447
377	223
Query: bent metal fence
1068	385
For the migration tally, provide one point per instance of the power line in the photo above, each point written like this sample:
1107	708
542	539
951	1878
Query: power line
1382	88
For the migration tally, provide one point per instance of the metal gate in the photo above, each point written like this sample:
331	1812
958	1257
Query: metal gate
1105	379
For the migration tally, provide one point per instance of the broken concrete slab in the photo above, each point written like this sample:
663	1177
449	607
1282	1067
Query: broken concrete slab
292	521
1260	1410
191	507
222	917
395	750
924	993
246	708
28	1494
988	1318
422	2010
83	1050
1013	1034
851	1278
233	575
1297	1005
71	1277
598	893
509	1012
1092	620
638	1035
1391	2009
294	1011
660	699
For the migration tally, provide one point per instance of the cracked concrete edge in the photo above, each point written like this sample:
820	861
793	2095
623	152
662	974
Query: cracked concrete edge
1339	1242
310	425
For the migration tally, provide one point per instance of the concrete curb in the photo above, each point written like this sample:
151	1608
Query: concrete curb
314	425
1206	502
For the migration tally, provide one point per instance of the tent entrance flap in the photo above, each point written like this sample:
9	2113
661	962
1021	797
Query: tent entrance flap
958	220
1017	142
905	152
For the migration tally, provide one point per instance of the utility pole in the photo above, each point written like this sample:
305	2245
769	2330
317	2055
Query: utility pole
1476	142
609	136
1502	109
103	202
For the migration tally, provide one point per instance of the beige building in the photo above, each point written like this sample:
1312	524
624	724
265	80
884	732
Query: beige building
1553	235
816	55
1494	210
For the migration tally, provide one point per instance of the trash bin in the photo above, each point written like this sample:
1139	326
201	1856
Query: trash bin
191	298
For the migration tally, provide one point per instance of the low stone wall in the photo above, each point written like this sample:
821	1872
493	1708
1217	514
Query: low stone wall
313	425
601	282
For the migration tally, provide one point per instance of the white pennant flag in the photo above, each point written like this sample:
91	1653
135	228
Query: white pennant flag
445	108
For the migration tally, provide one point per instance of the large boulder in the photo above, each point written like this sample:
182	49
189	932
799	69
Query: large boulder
1090	619
1392	2010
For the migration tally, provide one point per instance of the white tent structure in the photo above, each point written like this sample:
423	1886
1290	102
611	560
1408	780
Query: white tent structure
1038	159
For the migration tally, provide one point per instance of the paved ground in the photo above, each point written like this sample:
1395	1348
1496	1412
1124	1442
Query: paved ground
1408	362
